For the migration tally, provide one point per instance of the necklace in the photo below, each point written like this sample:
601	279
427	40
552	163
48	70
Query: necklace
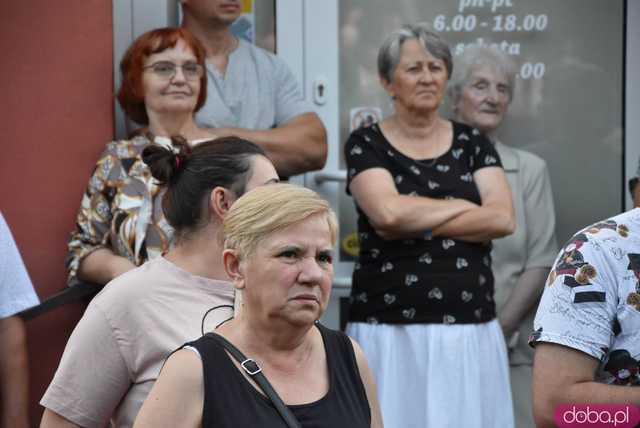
430	163
427	163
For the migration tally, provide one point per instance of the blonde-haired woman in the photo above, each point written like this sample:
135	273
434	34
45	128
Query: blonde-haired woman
278	251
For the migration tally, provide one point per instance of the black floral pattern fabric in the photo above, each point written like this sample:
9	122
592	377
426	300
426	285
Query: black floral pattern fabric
431	280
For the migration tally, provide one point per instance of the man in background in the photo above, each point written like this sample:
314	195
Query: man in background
252	94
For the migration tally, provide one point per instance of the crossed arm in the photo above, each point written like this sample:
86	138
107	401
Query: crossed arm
396	216
565	375
295	147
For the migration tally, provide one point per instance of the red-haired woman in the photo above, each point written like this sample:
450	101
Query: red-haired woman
120	223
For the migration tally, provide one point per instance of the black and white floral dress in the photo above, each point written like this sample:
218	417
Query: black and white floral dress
437	280
423	309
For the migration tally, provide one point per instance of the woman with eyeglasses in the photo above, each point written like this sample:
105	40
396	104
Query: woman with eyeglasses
120	224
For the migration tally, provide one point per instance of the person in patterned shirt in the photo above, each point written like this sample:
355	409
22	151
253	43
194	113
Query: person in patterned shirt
587	328
120	224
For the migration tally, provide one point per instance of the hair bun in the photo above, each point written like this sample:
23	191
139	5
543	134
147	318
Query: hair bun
166	157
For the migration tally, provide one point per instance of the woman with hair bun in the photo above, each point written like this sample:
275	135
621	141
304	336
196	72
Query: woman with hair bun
120	223
115	353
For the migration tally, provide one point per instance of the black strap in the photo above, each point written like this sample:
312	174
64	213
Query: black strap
253	369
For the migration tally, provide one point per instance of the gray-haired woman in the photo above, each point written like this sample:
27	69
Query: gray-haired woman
481	90
431	195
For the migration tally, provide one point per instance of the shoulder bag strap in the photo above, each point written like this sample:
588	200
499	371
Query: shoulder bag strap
253	369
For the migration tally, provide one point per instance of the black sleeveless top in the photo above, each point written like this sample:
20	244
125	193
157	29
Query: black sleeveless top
231	401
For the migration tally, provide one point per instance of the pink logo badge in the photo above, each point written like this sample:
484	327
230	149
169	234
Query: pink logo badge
575	415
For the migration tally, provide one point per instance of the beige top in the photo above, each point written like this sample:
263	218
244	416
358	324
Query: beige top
115	353
533	244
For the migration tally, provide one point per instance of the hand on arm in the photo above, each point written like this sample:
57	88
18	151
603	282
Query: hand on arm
565	375
495	218
102	265
523	299
295	147
177	397
396	216
369	385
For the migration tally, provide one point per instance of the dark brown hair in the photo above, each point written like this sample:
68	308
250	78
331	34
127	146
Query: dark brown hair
189	174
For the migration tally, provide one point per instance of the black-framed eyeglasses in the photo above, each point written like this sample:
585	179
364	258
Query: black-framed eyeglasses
167	69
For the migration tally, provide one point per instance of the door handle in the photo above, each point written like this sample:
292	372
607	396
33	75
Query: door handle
335	176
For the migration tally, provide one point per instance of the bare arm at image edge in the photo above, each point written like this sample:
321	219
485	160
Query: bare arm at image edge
14	373
16	294
565	375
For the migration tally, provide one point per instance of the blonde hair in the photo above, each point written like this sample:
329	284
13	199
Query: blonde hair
271	208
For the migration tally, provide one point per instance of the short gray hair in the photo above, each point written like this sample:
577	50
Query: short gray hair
482	56
389	53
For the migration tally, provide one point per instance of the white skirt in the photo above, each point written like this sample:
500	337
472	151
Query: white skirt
438	375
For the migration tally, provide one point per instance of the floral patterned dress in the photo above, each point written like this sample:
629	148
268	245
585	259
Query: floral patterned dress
431	280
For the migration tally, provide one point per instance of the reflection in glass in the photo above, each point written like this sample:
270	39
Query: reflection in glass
568	102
